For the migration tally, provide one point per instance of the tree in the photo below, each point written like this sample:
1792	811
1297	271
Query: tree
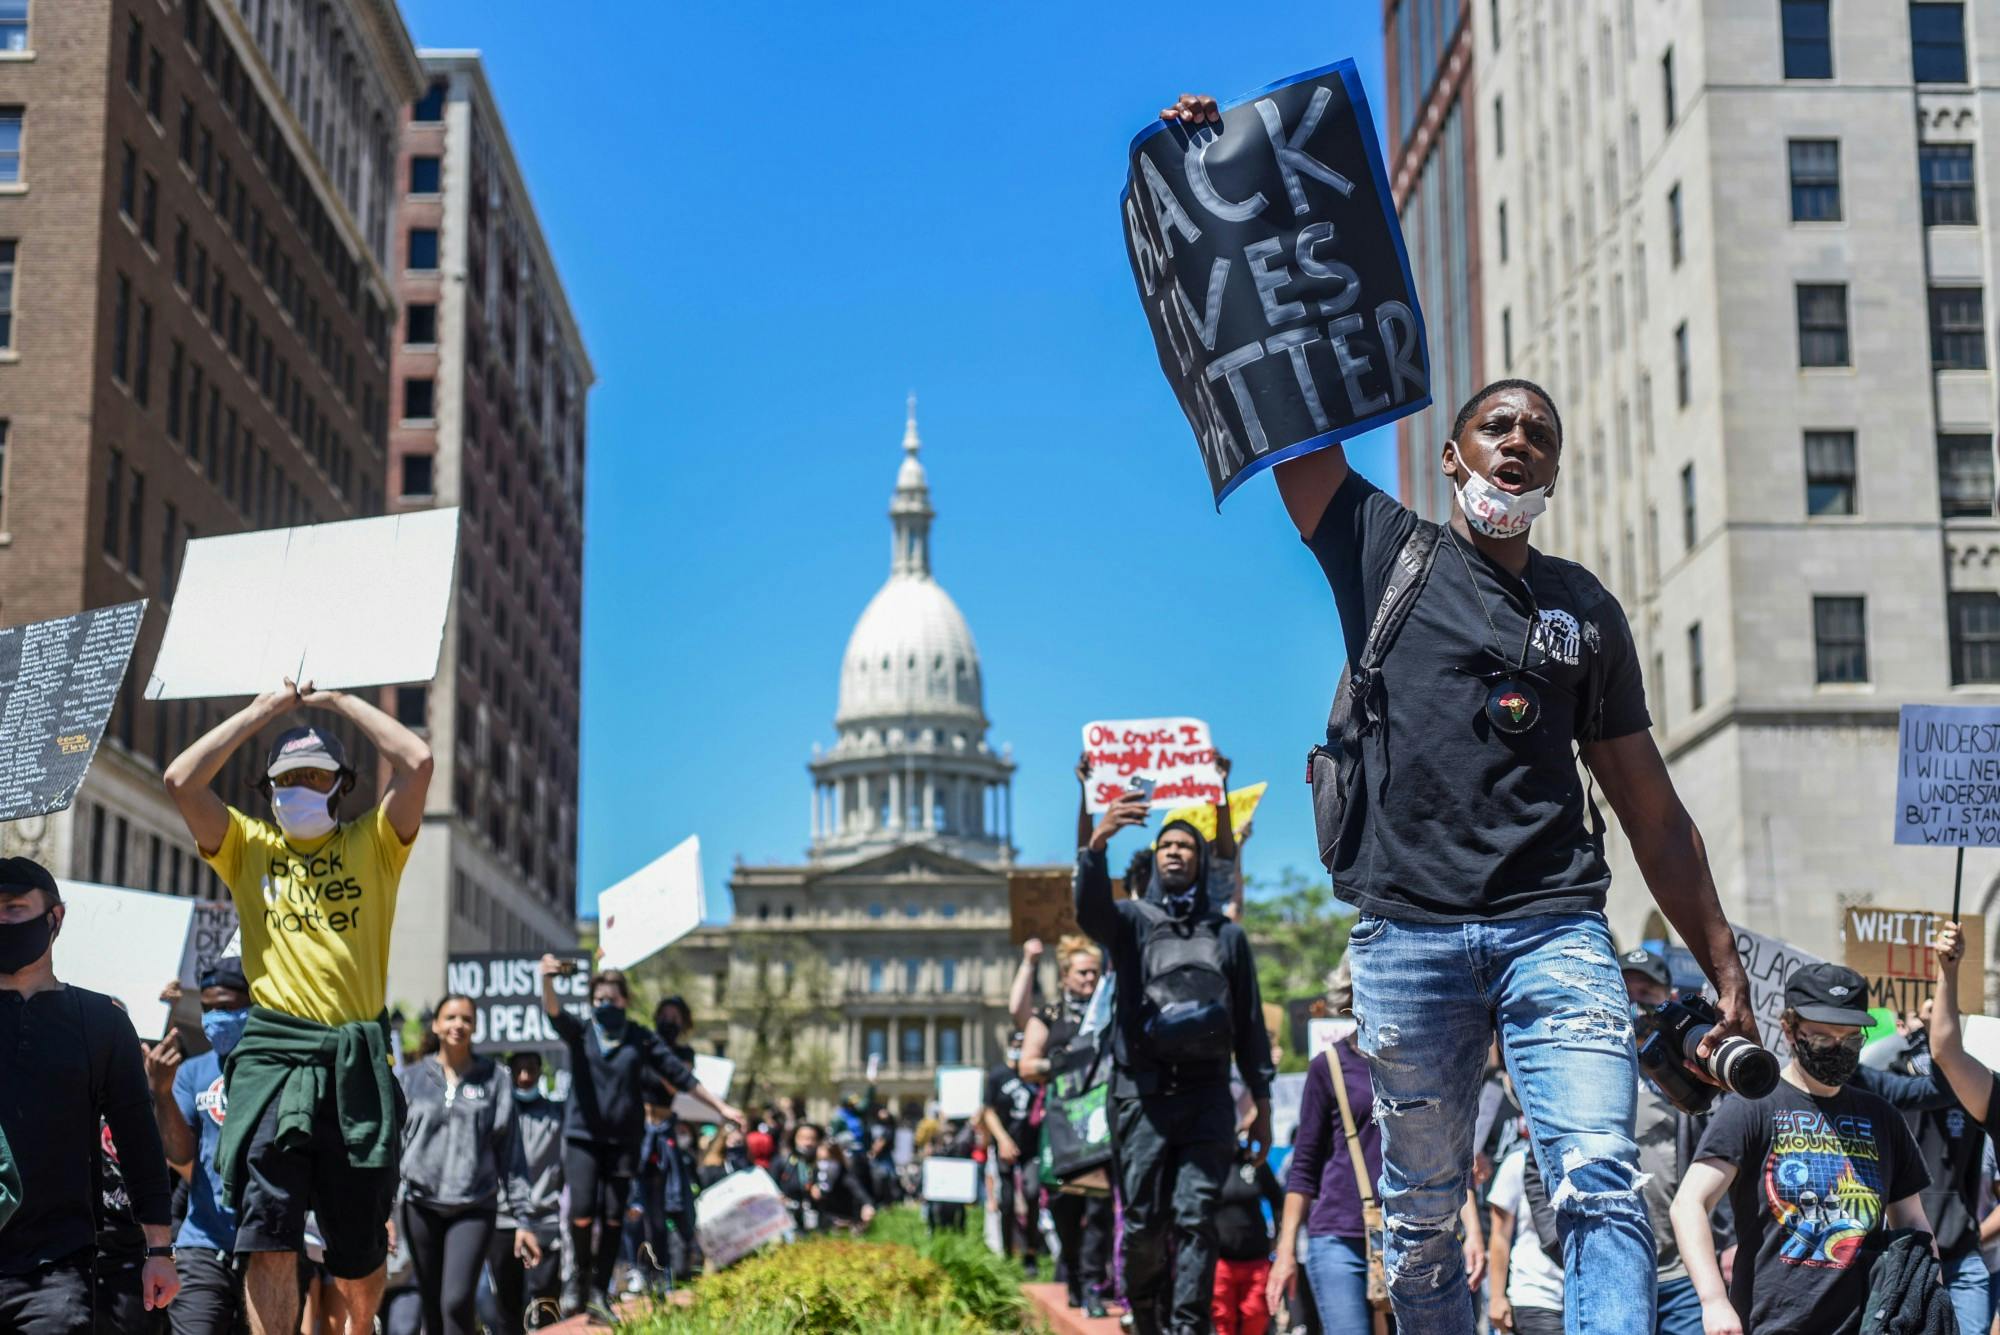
781	993
1298	930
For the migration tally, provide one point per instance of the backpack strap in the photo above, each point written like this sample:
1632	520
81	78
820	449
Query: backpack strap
1362	678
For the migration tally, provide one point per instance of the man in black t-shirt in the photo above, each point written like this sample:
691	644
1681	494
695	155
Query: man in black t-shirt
1815	1172
1007	1117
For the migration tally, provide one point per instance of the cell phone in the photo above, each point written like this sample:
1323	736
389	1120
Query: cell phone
1142	787
566	968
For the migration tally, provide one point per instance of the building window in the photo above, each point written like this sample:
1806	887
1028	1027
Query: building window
1830	483
1808	39
1947	174
947	973
417	481
156	81
426	172
10	145
912	1037
874	975
121	329
875	1041
1840	640
1688	524
1500	216
419	398
413	706
1975	639
1507	340
430	107
1958	328
13	25
128	184
1499	127
913	971
947	910
149	211
875	910
135	52
6	294
949	1047
423	248
3	474
1681	372
1697	689
1667	85
422	323
169	531
1815	167
1965	475
1937	42
1674	248
142	367
1822	311
135	524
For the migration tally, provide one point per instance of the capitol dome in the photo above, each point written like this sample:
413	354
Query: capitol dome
910	654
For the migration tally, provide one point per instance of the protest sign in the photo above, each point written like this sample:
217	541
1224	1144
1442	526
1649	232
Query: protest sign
961	1091
1242	806
1982	1039
506	991
129	944
1174	754
1769	964
360	602
1948	776
1893	950
1323	1034
951	1181
1040	905
1273	275
58	682
739	1214
652	908
211	931
1287	1093
714	1073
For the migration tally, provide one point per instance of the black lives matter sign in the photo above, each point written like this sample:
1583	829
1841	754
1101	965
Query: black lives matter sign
506	992
58	682
1272	270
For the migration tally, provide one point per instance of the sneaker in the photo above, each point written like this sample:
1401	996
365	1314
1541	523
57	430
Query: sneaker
571	1303
601	1308
1095	1308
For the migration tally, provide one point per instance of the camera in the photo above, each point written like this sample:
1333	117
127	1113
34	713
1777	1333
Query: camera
1737	1064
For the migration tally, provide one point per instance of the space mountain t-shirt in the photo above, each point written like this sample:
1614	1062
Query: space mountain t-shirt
1814	1180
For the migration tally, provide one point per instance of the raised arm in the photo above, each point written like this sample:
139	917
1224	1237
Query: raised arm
1225	830
188	777
1970	1079
1021	996
408	756
1701	1187
1083	799
1096	911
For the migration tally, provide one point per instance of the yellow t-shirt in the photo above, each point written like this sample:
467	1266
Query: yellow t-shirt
315	916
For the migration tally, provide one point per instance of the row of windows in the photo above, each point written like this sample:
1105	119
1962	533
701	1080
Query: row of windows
910	1042
1937	40
1957	326
1944	175
115	853
912	975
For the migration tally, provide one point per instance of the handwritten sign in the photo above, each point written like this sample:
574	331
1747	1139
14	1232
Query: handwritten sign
739	1214
1895	950
1948	776
1040	905
1770	963
1175	754
1273	275
58	682
506	992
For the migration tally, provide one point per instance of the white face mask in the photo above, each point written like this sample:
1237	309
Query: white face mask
302	813
1497	513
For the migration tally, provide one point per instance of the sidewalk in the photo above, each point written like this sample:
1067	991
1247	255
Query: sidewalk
1051	1303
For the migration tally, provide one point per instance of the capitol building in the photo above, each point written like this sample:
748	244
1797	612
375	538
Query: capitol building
891	940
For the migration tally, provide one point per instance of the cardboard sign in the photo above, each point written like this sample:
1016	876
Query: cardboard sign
1948	776
1041	905
1272	271
739	1214
1770	963
1242	806
1894	949
951	1181
961	1092
652	908
506	991
58	682
714	1073
128	944
1174	754
360	602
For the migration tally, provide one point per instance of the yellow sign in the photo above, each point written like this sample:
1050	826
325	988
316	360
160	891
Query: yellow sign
1242	806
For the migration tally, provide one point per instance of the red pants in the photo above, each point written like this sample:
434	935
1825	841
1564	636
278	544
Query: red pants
1238	1306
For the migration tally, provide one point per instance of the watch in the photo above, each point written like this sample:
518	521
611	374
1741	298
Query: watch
165	1253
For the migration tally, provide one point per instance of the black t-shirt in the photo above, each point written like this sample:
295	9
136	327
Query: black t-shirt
605	1105
1242	1233
1460	821
1814	1179
1012	1100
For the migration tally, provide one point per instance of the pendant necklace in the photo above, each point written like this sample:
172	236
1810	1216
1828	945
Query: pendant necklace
1513	705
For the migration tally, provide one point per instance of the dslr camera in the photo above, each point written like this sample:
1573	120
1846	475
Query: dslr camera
1737	1064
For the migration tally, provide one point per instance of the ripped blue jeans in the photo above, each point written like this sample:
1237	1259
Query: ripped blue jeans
1429	999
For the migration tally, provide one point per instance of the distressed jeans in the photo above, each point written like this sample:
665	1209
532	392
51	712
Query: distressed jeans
1429	999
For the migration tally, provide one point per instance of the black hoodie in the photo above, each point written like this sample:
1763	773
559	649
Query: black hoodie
1118	926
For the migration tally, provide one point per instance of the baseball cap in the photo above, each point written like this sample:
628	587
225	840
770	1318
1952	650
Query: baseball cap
1646	964
20	875
305	748
226	972
1829	994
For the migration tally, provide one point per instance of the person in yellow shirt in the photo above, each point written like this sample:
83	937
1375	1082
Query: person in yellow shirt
314	1117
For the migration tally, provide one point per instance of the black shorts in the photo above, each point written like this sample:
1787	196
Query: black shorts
350	1205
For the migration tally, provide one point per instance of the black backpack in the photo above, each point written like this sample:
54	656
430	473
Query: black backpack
1187	1012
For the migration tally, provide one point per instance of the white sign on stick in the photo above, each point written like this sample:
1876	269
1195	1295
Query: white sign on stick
1982	1038
360	602
961	1091
125	943
951	1181
739	1214
1948	776
714	1073
652	908
1174	754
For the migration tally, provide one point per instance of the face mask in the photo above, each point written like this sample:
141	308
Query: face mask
609	1016
302	813
669	1032
1829	1061
223	1028
22	943
1497	513
528	1095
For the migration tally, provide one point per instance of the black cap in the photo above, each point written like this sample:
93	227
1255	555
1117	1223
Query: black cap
1646	964
305	747
226	972
1829	994
20	875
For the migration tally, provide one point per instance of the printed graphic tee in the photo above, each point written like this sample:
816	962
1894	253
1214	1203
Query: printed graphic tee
198	1090
315	915
1814	1179
1012	1100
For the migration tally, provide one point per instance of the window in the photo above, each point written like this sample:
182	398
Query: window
1815	167
1499	127
913	971
875	1040
114	496
412	706
169	527
1688	525
417	470
947	969
13	25
419	398
1958	328
1501	217
1697	689
422	327
142	368
6	295
1674	250
1507	340
1946	171
423	248
425	174
429	107
1975	639
1965	475
3	473
1667	85
947	910
121	329
135	523
1840	640
1681	372
948	1044
149	211
1808	39
1937	43
1822	324
912	1036
1830	488
128	185
156	81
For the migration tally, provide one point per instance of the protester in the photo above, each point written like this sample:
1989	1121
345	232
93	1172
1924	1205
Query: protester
838	1193
1243	1245
610	1056
1527	1291
1008	1118
525	1257
1815	1171
1976	1087
190	1105
118	1274
1186	1002
87	1072
315	1123
458	1148
673	1021
1082	1220
883	1183
646	1216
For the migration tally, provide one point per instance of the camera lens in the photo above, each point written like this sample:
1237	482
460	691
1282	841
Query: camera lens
1744	1068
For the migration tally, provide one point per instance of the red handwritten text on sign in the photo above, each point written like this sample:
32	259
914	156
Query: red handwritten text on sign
1175	753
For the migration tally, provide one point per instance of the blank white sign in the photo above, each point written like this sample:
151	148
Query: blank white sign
125	943
652	908
961	1091
951	1181
360	602
714	1075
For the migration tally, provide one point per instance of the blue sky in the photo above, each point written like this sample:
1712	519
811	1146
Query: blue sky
776	220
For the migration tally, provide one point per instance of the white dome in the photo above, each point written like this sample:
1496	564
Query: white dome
911	653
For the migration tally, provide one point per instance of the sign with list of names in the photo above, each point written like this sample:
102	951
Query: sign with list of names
58	682
1948	776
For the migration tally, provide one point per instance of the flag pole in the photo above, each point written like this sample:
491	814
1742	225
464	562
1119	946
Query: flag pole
1957	882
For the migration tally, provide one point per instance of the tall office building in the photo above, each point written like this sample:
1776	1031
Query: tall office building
1434	122
195	204
488	400
1746	248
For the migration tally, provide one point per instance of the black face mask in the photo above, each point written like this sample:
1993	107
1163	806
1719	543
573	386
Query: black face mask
1829	1061
22	943
670	1033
